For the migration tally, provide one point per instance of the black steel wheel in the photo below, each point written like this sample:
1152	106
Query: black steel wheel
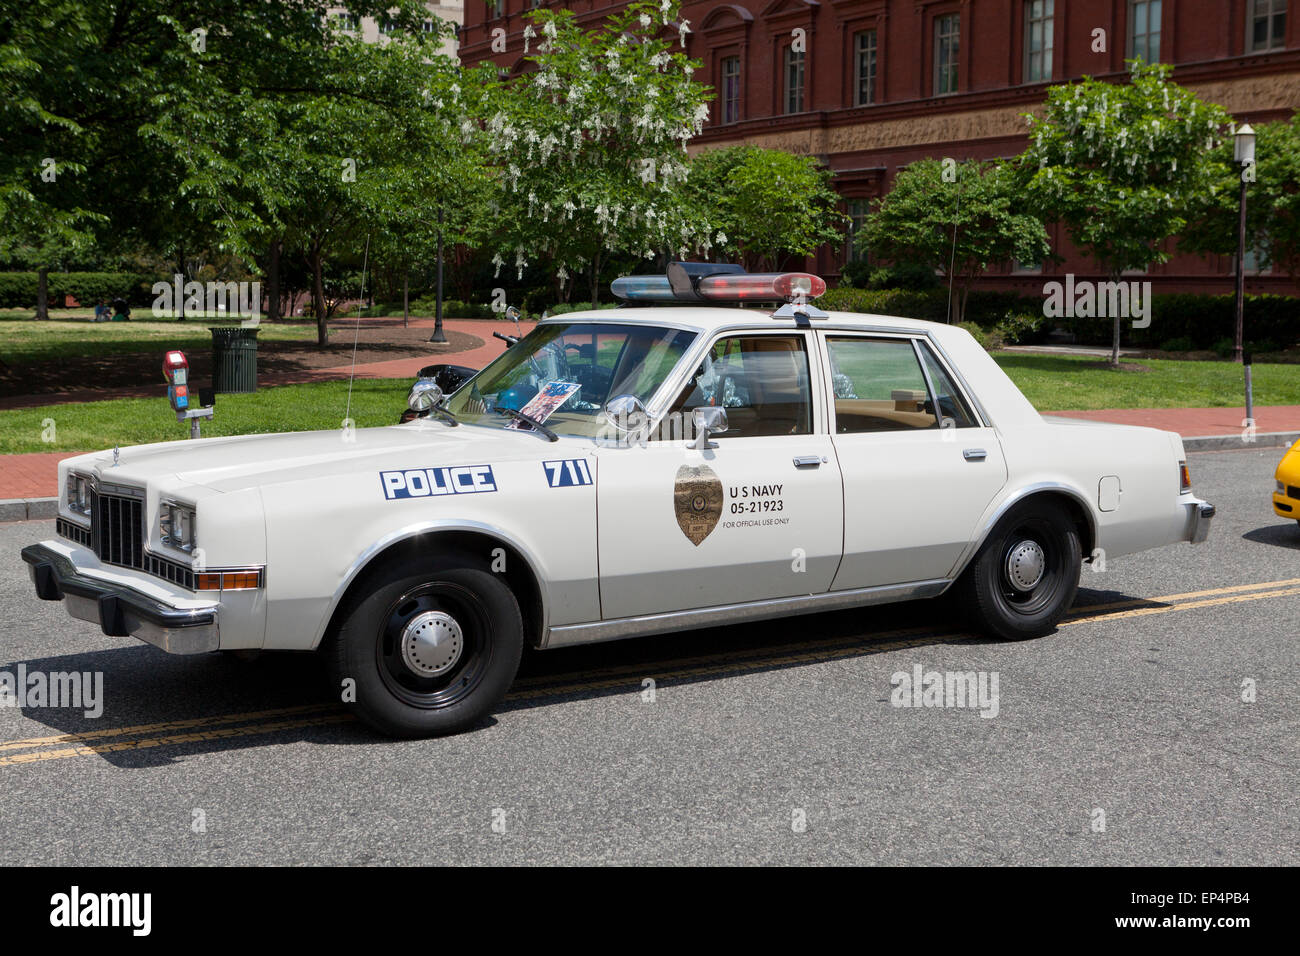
1026	574
427	649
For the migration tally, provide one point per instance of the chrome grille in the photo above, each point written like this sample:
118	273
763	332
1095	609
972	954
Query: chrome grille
73	532
169	571
117	529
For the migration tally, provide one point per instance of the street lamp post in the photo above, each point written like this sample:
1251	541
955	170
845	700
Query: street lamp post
1243	154
438	334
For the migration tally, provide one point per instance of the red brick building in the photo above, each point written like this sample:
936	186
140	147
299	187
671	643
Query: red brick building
881	83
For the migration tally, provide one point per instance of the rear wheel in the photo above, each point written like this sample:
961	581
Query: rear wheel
1025	576
428	649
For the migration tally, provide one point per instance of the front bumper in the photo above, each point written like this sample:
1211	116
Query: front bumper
121	611
1202	513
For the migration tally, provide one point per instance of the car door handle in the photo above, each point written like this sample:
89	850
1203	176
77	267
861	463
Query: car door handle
974	454
807	461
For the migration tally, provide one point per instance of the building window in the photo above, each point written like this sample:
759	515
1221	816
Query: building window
390	27
1266	25
794	65
1033	267
947	36
731	89
426	26
1038	40
864	68
345	21
496	9
855	244
1144	30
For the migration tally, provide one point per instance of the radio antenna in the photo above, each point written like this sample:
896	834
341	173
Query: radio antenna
356	330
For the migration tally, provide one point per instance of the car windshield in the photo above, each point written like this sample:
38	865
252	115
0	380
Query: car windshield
563	374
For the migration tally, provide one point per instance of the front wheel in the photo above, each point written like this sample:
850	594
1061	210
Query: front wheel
1025	576
427	647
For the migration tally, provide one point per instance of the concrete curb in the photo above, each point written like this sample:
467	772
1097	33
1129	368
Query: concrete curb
1222	442
28	509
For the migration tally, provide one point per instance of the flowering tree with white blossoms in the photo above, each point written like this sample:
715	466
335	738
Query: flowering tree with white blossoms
591	143
1122	165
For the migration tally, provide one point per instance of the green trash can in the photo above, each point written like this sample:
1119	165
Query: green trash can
234	358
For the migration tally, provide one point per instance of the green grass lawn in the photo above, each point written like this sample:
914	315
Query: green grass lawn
1051	382
24	340
1061	382
91	426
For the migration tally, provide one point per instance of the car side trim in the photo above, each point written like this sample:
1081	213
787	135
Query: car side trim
410	531
1006	504
625	627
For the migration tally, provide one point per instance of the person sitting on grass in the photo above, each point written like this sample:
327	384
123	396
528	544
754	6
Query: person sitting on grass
101	311
121	311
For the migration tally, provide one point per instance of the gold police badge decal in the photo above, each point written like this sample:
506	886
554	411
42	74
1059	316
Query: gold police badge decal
697	499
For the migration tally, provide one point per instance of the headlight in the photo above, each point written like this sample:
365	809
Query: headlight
78	495
1281	487
177	524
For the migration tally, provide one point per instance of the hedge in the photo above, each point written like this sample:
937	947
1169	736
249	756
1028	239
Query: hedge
1183	321
985	308
1202	320
19	289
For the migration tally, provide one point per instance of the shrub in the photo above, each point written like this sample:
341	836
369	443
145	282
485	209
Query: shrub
1023	328
905	275
19	289
1179	344
1205	320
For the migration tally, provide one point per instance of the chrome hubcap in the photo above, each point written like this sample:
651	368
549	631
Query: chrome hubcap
1025	564
432	643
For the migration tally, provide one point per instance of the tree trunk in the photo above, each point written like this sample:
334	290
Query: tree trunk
595	279
180	268
43	292
406	297
273	281
1114	342
318	297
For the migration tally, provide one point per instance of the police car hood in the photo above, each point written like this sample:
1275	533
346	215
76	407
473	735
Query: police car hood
232	464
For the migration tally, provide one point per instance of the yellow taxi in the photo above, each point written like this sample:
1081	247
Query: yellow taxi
1286	497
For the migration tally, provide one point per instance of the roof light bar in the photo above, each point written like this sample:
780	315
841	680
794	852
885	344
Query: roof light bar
765	287
643	289
718	282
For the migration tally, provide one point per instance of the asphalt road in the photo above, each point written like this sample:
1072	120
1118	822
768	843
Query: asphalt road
771	744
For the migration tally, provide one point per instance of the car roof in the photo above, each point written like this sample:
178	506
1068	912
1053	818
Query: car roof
710	318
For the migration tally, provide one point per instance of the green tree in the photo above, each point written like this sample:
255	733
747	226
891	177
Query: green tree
590	142
766	204
958	219
1122	164
1272	200
324	165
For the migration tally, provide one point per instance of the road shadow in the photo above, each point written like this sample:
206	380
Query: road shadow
1279	535
160	709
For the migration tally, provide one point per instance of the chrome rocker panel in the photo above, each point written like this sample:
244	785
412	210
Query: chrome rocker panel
620	628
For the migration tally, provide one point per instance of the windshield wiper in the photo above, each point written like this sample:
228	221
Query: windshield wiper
528	420
444	414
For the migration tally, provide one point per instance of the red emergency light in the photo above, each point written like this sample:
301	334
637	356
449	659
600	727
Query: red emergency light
718	282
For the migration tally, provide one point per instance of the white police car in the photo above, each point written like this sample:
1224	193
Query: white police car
618	473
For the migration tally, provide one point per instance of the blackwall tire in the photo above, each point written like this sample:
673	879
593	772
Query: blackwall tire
427	648
1025	576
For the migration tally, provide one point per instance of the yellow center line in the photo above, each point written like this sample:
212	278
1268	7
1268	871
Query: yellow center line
751	659
222	733
155	728
1187	605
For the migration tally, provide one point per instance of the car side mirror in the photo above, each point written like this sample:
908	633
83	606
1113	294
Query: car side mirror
425	394
627	415
708	420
